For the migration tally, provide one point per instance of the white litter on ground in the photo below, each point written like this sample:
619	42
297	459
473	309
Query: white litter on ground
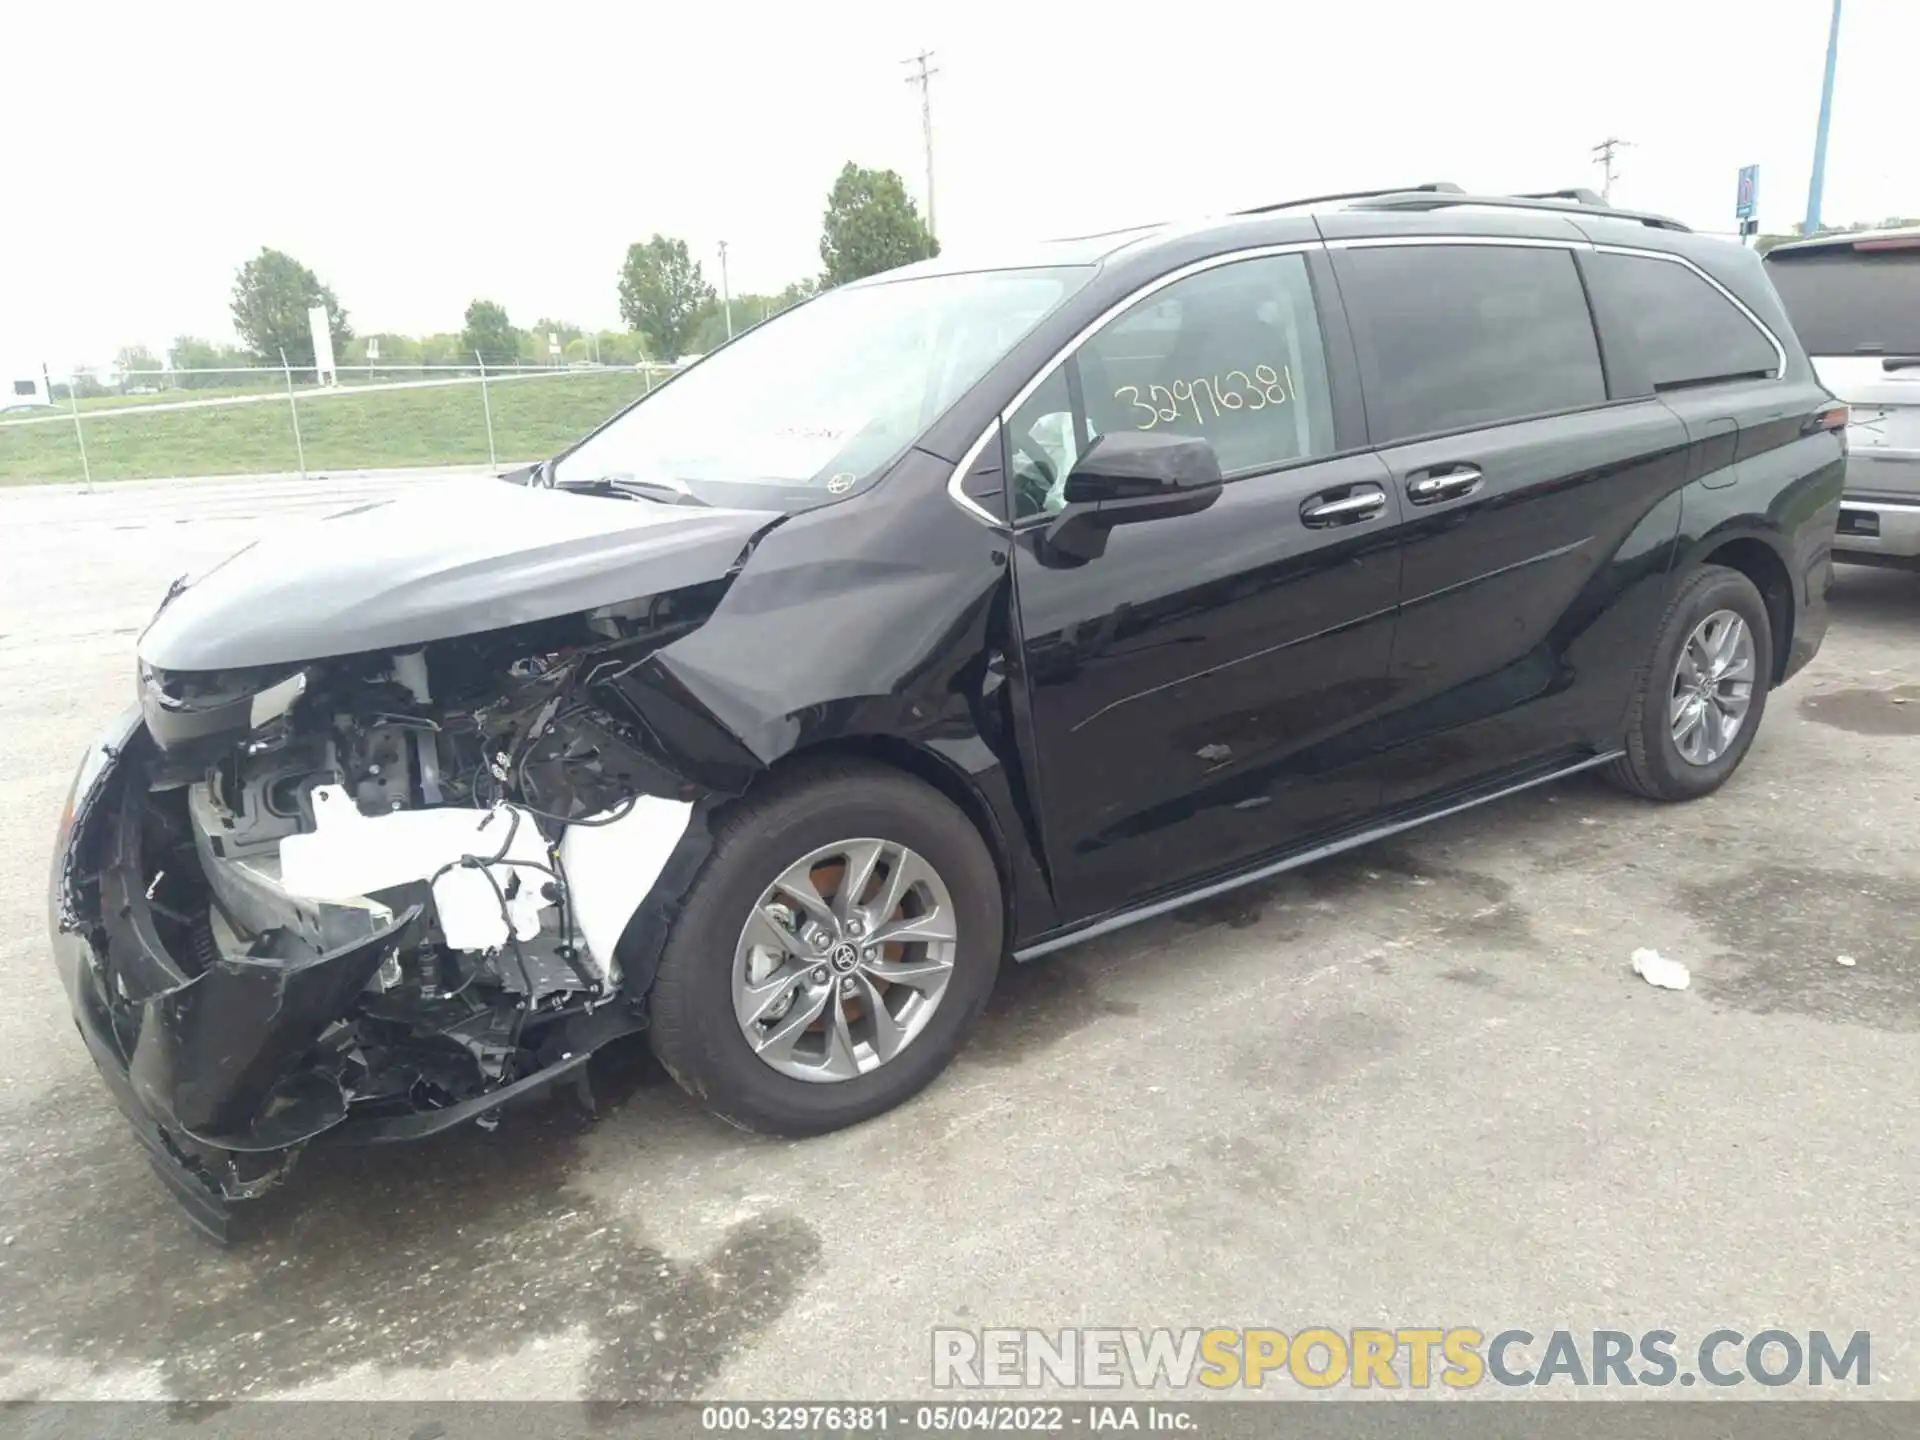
1654	968
1846	960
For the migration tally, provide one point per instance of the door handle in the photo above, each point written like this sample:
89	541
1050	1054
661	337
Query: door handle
1448	484
1362	504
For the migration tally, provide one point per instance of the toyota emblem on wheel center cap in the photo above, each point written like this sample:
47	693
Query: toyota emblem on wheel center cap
843	959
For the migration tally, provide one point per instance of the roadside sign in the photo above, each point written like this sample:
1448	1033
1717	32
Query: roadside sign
373	347
1747	200
317	322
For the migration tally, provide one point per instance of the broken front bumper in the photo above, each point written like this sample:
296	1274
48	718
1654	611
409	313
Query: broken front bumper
206	1064
76	919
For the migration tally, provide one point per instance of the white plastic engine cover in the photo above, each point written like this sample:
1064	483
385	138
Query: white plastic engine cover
610	869
349	854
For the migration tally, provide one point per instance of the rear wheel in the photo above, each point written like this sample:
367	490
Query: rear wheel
834	953
1699	700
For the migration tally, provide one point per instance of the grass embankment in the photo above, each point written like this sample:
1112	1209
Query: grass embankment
340	430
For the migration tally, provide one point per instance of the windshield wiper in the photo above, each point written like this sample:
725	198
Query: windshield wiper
661	491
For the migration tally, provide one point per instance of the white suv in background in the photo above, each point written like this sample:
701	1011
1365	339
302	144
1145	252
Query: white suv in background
1855	301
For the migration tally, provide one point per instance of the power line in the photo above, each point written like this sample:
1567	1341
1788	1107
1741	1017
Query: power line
1603	154
923	76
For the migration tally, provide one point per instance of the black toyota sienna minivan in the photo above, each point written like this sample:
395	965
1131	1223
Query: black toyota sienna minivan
951	617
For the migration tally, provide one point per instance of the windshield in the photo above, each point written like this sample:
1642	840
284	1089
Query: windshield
814	402
1852	302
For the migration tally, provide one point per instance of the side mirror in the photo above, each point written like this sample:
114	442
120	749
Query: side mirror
1138	465
1124	479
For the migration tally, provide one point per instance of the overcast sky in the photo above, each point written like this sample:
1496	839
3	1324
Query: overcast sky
418	154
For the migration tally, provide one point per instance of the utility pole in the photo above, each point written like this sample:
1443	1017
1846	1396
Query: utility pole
1818	183
726	296
922	76
1603	154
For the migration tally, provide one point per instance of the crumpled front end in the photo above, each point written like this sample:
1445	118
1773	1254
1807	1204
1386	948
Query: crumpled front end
111	964
365	899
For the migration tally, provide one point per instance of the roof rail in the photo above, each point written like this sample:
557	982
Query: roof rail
1437	187
1578	195
1565	202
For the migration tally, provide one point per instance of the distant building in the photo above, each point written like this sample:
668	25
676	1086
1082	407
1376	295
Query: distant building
22	386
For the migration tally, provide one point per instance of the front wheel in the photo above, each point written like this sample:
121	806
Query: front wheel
1698	703
833	954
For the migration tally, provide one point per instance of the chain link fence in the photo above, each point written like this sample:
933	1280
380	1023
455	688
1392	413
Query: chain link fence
155	424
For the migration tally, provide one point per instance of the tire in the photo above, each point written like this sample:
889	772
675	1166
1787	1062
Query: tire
1653	765
693	1027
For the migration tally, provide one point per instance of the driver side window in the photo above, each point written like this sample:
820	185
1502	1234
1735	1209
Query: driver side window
1232	355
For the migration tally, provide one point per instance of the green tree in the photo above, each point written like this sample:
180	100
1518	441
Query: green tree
445	350
395	350
536	342
748	311
196	363
871	225
621	347
710	327
271	294
83	383
796	292
662	293
132	359
190	352
490	335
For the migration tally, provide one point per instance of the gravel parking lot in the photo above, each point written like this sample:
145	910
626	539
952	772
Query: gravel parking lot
1413	1086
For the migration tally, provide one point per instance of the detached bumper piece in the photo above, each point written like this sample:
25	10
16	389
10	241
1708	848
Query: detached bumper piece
202	1064
226	1066
202	1196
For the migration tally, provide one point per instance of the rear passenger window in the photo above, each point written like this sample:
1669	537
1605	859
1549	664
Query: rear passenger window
1232	355
1851	302
1689	333
1453	336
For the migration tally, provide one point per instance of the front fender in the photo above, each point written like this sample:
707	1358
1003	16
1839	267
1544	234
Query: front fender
831	637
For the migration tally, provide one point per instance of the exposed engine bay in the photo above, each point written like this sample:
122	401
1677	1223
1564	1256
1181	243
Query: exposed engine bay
416	796
384	893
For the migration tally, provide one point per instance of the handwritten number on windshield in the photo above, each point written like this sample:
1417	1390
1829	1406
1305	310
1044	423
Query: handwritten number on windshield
1216	394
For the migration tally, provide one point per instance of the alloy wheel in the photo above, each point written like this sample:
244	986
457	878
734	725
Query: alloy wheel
844	959
1712	688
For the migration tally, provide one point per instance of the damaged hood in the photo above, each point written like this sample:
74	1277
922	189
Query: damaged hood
439	561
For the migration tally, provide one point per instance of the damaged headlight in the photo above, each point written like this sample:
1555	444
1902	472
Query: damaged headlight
217	707
274	701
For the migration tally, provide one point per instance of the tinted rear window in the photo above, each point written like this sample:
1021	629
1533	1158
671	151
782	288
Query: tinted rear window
1457	336
1689	333
1848	302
